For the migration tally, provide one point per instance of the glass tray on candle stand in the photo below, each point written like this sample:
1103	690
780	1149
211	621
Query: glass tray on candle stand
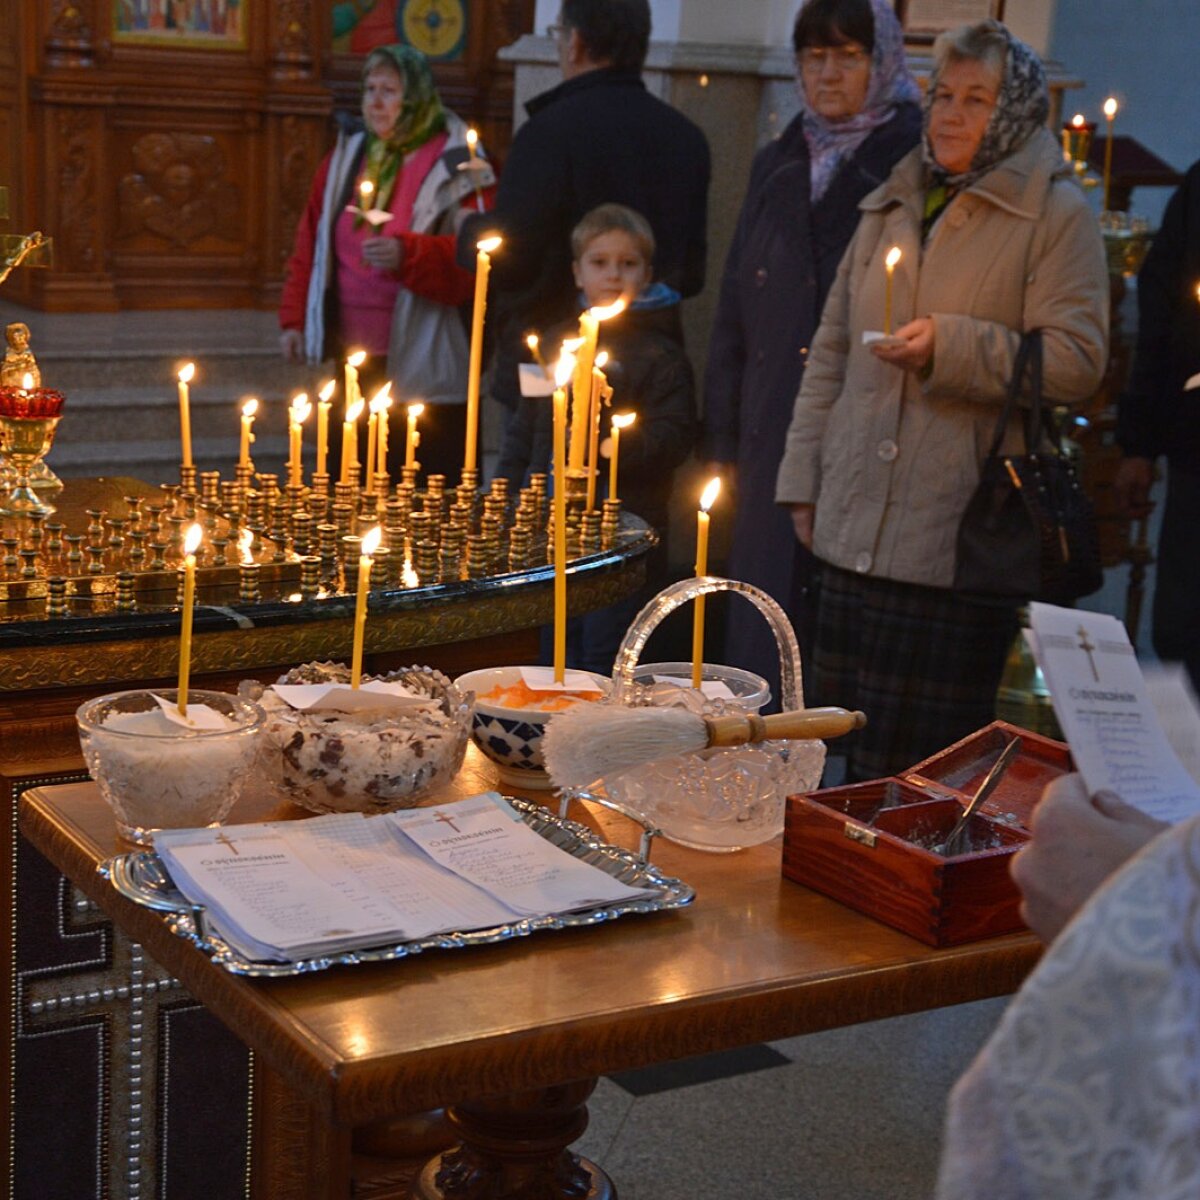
724	798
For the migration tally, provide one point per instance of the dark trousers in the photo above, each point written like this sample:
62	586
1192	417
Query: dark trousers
1176	618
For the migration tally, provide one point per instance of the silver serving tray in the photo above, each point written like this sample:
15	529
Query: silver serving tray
141	877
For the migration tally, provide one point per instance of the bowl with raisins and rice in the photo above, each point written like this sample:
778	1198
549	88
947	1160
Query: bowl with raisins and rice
369	761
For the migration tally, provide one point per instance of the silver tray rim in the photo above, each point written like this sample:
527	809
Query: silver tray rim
139	876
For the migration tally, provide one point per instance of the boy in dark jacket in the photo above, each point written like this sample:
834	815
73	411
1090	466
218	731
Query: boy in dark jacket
613	251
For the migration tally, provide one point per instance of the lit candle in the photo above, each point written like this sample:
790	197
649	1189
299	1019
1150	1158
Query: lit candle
474	166
893	257
297	415
413	438
324	403
185	413
599	385
381	446
373	409
562	373
248	411
27	382
534	343
349	440
355	361
370	544
707	499
190	543
483	266
1110	115
366	193
589	331
620	421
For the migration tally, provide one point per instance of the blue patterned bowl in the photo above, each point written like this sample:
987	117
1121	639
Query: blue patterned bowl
510	737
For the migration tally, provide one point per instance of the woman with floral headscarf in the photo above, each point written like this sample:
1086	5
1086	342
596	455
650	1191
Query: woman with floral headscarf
391	289
886	441
858	117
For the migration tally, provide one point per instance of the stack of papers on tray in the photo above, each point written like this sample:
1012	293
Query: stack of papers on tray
289	890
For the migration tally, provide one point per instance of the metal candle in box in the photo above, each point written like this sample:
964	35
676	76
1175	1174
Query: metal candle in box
871	846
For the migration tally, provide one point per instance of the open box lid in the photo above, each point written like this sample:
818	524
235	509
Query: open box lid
958	770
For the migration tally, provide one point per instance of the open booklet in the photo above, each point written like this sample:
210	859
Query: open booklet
1111	720
287	890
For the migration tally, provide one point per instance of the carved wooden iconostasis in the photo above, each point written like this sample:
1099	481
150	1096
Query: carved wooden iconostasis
168	146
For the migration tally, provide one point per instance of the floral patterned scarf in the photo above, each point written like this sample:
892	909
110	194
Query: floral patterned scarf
421	117
831	143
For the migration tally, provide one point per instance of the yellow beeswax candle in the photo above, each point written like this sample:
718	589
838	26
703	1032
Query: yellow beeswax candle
599	387
324	403
589	331
185	413
562	373
707	500
370	544
893	257
297	415
1110	115
350	440
412	438
620	421
191	543
483	267
381	445
248	411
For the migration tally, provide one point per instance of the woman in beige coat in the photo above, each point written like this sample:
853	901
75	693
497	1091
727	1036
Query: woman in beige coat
886	442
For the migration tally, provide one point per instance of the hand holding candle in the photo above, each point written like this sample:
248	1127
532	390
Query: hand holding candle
248	411
620	421
324	402
483	266
191	543
893	257
185	414
370	544
1110	115
562	373
413	438
707	499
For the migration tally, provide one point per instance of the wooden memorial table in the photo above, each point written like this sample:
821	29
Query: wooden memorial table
512	1037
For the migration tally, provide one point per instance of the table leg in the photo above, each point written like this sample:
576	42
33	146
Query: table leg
516	1146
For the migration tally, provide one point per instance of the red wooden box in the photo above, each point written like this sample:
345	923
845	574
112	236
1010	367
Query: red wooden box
865	844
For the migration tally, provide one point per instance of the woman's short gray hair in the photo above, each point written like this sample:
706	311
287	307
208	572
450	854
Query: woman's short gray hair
986	42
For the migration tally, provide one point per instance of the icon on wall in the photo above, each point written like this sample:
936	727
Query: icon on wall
438	28
215	24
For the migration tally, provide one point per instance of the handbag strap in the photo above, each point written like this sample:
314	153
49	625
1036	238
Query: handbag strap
1028	360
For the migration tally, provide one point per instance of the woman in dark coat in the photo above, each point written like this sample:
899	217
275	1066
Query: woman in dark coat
859	116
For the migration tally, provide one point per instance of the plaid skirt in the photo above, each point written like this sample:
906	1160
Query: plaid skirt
923	664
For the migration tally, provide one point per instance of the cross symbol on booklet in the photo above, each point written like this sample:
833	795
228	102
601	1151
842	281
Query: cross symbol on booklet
447	821
1087	647
226	840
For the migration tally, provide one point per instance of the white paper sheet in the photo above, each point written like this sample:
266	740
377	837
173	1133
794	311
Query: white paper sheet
1102	705
716	689
541	679
373	696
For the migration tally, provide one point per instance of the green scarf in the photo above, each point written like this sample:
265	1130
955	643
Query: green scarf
421	117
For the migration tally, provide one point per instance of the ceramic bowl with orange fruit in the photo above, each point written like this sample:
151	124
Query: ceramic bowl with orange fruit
510	719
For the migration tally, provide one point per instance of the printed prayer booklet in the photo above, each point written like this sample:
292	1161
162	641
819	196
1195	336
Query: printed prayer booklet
288	890
1106	713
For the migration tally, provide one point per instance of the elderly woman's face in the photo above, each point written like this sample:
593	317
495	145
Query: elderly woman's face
963	101
835	78
383	97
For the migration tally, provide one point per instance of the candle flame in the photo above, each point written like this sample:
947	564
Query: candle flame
623	420
371	540
27	381
381	400
245	542
250	407
601	360
893	257
1110	107
708	497
326	392
186	372
1078	121
366	189
408	576
354	412
472	139
532	341
415	410
301	407
191	540
570	345
564	368
488	245
603	314
357	358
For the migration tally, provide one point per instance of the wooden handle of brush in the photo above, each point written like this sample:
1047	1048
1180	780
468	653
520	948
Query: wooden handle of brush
801	724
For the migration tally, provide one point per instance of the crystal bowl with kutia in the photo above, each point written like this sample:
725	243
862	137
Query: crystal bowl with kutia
369	760
157	773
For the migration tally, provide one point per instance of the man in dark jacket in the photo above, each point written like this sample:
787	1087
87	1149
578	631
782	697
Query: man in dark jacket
1159	413
598	137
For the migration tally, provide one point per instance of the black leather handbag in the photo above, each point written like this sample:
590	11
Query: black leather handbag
1028	532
